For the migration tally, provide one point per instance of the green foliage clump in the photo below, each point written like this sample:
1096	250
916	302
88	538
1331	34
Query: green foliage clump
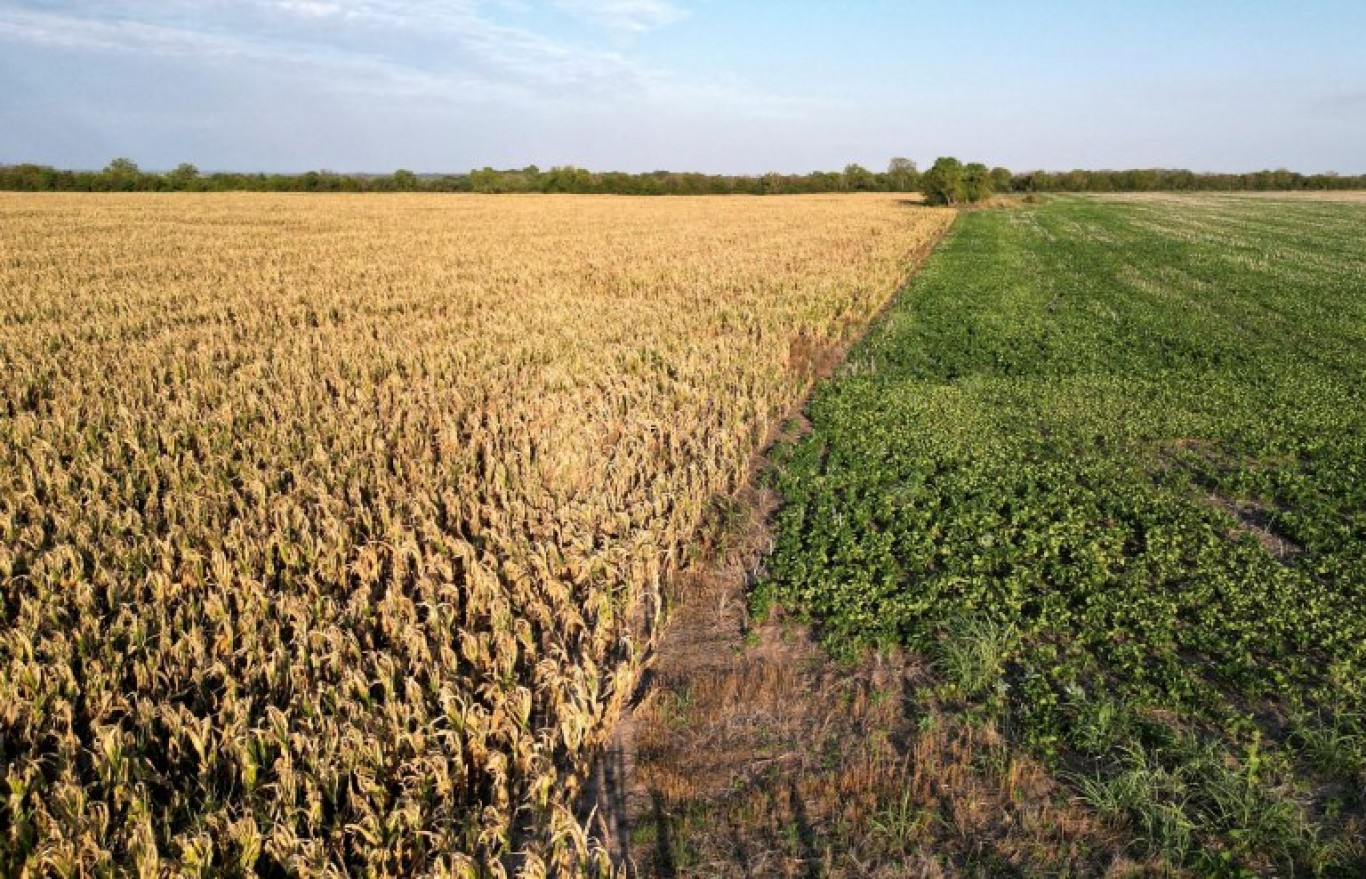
950	182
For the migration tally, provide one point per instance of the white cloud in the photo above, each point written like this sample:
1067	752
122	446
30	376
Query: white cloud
310	9
392	13
429	48
370	84
636	16
116	35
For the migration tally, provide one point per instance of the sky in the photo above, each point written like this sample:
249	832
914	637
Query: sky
700	85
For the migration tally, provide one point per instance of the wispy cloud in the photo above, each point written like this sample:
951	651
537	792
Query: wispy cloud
371	84
636	16
115	35
447	46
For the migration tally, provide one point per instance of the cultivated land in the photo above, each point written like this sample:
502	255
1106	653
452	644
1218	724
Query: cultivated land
1099	477
333	529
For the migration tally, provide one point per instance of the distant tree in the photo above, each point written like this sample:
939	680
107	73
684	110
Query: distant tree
486	180
772	183
943	183
718	184
121	175
30	178
902	175
1000	179
976	182
687	184
1043	181
521	181
616	183
858	179
948	182
184	177
1182	180
566	178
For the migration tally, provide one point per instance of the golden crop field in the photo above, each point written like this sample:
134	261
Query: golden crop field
333	529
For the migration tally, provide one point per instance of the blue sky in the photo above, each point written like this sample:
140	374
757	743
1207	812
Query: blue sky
744	87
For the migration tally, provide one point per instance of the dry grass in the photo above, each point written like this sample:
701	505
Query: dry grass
332	530
753	754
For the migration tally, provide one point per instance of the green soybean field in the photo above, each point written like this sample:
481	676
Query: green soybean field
1103	465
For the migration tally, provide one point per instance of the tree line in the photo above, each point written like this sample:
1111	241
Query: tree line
948	181
123	175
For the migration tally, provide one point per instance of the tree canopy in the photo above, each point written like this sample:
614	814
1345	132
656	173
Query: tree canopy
948	181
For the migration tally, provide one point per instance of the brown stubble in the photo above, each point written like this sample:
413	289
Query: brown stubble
334	529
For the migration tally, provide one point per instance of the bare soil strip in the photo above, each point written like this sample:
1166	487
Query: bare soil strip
750	752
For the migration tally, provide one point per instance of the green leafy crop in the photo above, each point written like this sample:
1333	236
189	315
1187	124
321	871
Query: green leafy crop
1112	454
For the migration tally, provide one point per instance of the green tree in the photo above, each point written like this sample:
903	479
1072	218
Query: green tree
977	184
902	175
858	179
1001	179
943	183
121	175
486	180
184	177
566	178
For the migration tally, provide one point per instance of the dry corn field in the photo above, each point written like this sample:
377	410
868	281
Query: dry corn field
333	529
